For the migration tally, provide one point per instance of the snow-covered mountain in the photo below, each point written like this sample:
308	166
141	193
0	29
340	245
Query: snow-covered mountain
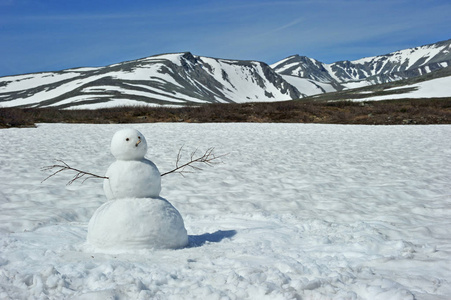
390	67
167	79
184	78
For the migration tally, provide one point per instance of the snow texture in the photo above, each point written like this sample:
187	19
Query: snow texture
296	211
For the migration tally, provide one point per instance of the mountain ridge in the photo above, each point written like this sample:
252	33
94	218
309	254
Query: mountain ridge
164	79
400	64
179	79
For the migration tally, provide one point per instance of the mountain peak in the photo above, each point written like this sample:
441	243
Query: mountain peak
188	56
377	69
165	79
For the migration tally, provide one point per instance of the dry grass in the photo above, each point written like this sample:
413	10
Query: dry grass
407	111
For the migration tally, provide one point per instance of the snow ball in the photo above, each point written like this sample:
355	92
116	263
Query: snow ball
137	223
128	144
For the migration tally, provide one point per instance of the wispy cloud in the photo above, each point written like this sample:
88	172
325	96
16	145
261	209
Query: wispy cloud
81	17
285	26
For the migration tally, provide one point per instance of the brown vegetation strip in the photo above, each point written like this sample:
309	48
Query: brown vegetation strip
406	111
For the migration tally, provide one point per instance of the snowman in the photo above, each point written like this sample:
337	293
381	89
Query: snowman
135	216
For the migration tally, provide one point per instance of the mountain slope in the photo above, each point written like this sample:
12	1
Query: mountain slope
174	79
435	84
186	79
390	67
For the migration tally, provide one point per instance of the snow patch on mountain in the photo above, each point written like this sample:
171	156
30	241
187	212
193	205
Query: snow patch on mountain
28	81
435	88
308	86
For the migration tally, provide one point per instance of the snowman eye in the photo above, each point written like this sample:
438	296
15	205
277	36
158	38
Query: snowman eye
127	139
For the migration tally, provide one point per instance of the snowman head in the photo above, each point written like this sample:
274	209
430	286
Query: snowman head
128	144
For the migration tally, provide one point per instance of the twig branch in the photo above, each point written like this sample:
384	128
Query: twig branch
208	158
64	167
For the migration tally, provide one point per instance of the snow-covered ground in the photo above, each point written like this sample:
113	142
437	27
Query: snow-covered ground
296	211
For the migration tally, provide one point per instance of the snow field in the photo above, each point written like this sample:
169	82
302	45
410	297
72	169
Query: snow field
296	211
307	86
237	87
435	88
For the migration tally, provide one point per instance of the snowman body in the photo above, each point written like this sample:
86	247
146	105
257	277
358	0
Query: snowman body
132	178
135	217
137	223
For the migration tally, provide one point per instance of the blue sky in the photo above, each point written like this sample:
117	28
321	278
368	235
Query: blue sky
50	35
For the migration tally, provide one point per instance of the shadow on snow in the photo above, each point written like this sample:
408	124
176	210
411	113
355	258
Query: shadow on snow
215	237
